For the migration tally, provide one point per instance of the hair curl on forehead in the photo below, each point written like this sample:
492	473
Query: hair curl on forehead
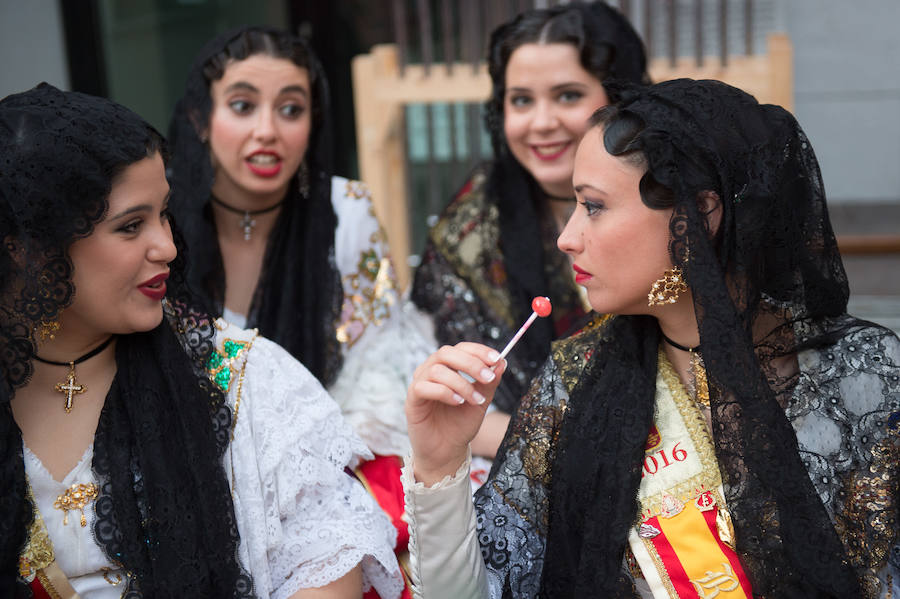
621	134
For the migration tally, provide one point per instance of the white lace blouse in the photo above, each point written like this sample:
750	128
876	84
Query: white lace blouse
303	521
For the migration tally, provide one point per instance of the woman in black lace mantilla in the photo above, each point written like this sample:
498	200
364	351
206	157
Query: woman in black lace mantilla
733	432
142	452
494	247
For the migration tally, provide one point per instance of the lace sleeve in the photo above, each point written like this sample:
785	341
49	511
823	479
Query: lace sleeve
512	507
303	521
384	337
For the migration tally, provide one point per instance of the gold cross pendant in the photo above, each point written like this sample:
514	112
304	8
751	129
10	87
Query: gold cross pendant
70	388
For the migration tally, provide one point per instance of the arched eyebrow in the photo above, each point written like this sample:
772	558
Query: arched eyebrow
580	188
295	89
241	85
556	88
288	89
140	208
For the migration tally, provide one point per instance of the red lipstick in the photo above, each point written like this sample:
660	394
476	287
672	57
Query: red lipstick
550	157
155	288
581	275
264	169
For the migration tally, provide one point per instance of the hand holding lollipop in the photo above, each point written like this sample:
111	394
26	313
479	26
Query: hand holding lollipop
448	397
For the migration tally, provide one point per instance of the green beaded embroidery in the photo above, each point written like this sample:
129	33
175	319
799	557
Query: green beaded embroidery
369	264
220	366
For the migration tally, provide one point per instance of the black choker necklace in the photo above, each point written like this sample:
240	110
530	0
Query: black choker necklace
247	223
697	370
72	387
696	348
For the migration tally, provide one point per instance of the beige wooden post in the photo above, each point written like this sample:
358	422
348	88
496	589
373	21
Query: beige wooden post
379	95
768	77
781	55
379	141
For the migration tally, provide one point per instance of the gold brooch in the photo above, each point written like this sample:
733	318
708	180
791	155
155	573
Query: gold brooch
76	497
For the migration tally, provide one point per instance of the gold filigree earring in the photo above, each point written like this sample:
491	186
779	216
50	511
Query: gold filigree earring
303	179
666	289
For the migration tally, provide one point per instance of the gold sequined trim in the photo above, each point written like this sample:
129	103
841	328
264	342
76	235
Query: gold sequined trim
709	478
572	354
870	501
369	294
357	190
38	552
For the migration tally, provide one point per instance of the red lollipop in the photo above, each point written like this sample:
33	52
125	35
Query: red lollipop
541	306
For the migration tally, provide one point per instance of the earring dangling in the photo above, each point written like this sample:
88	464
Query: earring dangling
666	289
303	179
47	329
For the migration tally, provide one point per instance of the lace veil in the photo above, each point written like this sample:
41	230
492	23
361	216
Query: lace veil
768	284
164	511
299	295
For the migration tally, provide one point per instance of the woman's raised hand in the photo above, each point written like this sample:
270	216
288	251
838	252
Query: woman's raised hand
444	409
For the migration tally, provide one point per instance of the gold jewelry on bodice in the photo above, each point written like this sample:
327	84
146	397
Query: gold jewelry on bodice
37	560
76	497
71	387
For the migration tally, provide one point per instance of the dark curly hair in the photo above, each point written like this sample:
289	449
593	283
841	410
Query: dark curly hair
609	49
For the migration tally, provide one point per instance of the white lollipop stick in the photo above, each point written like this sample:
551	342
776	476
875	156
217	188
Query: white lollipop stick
517	336
541	306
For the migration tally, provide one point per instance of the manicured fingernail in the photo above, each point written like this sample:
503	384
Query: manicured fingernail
458	398
478	397
487	375
493	356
